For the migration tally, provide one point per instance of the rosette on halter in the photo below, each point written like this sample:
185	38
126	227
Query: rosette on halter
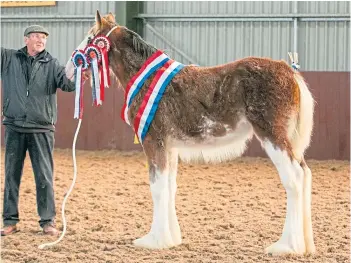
80	63
93	55
294	61
104	45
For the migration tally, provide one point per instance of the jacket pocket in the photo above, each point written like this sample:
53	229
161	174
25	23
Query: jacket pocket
5	106
49	110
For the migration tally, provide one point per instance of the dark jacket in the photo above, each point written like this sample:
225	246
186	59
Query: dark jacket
29	89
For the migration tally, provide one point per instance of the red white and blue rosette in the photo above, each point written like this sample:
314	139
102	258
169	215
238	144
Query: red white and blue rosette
93	55
80	64
104	45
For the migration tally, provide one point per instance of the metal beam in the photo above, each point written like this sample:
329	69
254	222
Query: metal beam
47	18
324	19
292	15
188	18
225	19
244	18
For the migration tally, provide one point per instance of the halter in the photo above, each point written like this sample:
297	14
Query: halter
109	32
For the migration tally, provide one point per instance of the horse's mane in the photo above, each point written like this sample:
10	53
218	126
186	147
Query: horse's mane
141	46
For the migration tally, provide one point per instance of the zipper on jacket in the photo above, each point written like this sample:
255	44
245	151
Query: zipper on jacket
32	74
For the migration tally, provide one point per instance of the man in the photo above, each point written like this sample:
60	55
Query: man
30	77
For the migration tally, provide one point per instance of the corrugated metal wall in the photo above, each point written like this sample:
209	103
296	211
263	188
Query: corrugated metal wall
205	33
210	33
322	45
67	22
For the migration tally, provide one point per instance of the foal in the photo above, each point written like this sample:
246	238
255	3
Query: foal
208	114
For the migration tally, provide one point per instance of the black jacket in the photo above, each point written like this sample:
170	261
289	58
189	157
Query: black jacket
29	96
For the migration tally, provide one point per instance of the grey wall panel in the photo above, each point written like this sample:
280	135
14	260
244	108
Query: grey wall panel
62	41
218	7
67	22
322	45
246	7
62	8
324	7
221	42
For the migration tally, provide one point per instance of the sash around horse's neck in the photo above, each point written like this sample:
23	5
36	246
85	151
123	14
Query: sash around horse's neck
166	69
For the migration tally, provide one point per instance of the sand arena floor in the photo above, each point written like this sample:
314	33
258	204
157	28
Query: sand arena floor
227	213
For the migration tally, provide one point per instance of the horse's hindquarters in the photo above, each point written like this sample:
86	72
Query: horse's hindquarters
216	149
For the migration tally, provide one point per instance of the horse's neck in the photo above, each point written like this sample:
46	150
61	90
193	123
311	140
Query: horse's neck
127	66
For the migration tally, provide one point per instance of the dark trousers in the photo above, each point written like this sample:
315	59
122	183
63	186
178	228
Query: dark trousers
40	147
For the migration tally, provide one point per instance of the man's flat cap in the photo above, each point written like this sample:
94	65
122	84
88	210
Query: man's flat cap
35	29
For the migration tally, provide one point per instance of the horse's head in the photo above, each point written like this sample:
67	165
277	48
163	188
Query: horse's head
127	51
104	26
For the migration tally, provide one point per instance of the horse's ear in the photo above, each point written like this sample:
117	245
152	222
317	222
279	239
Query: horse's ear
111	18
98	19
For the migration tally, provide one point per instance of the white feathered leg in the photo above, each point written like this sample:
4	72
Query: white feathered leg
292	176
159	173
159	235
307	218
173	220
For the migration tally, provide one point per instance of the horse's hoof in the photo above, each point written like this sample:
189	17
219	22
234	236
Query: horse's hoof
281	248
151	241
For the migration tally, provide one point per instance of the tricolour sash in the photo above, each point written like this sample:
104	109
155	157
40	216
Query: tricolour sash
165	69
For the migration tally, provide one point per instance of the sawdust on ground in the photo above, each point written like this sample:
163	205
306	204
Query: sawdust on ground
227	213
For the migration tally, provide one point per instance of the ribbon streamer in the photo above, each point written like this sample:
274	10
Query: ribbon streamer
102	86
81	64
77	105
105	68
96	82
93	54
104	44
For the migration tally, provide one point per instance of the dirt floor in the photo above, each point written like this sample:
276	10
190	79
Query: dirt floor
227	213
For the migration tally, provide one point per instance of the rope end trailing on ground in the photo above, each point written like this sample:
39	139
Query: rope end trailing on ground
42	246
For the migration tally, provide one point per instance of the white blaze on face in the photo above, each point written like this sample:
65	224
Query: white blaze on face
69	65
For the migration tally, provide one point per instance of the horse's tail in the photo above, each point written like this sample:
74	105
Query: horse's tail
304	125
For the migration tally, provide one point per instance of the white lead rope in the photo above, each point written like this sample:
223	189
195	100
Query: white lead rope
42	246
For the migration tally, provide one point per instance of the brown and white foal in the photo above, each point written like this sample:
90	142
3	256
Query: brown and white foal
208	114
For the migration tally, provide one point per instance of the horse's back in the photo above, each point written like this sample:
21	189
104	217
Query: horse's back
209	113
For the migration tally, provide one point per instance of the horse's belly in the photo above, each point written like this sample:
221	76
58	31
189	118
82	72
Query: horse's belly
215	149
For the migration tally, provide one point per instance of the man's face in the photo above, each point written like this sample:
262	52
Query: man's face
35	43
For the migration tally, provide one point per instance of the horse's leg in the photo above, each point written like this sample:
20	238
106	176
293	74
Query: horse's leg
307	217
292	177
173	220
300	138
306	200
281	113
159	235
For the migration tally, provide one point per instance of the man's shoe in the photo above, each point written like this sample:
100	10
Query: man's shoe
8	230
50	230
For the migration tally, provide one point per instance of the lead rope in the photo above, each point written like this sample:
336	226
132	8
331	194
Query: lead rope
78	113
69	191
80	63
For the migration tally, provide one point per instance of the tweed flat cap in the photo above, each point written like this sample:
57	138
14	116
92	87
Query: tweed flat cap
36	29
